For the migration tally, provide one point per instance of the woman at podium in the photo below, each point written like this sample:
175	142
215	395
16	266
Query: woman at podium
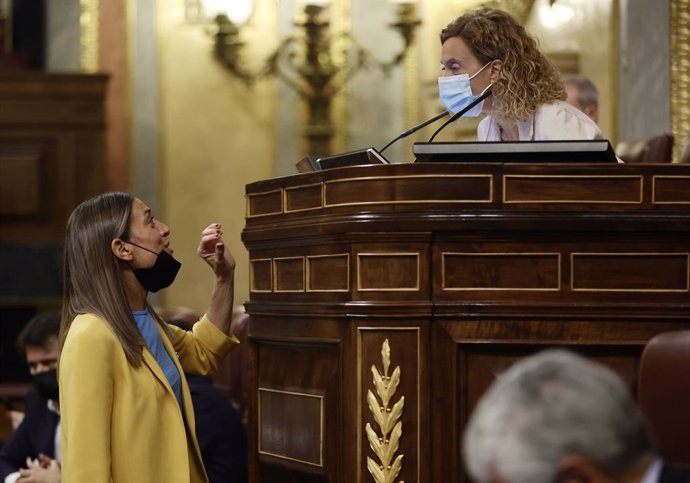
488	49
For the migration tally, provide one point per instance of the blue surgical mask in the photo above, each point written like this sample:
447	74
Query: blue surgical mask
455	93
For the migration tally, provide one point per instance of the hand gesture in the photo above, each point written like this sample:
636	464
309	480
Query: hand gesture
44	471
213	251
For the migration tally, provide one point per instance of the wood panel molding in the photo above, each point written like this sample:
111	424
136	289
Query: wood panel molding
671	190
630	272
52	156
23	177
328	273
501	271
383	272
288	273
449	272
286	420
571	189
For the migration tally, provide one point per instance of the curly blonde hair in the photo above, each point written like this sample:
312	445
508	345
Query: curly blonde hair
527	80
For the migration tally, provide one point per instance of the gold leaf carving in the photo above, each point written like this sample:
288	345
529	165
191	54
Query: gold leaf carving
386	443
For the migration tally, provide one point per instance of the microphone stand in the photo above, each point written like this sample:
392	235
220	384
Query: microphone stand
416	128
461	112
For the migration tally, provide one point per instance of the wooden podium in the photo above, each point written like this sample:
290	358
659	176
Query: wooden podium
385	299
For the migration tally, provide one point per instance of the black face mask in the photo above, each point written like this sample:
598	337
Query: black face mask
161	275
47	384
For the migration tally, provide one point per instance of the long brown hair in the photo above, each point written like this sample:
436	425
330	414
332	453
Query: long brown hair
93	280
527	80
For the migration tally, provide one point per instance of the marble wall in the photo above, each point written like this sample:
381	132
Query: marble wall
590	34
644	88
62	33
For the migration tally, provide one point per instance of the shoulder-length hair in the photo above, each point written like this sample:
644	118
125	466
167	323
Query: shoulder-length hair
527	80
92	275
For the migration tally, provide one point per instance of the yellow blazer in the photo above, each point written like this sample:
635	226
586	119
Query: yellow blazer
122	424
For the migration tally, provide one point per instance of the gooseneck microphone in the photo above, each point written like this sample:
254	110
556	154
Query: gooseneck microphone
461	112
416	128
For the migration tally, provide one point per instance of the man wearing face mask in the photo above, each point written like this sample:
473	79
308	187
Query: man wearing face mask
32	454
487	50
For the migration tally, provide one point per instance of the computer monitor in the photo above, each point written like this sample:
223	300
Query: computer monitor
598	151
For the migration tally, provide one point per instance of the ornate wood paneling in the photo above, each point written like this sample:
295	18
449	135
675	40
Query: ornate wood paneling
474	352
263	204
291	425
289	274
630	272
328	273
409	189
303	198
382	272
389	404
296	406
671	190
500	271
560	271
51	159
572	189
51	151
23	181
397	294
261	275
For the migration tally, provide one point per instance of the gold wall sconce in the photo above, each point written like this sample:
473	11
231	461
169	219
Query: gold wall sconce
305	61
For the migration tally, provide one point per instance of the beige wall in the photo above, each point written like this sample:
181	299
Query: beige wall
216	136
590	35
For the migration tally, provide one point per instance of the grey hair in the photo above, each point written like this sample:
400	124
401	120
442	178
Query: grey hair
550	406
587	93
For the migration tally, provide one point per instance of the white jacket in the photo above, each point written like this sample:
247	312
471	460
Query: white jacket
551	122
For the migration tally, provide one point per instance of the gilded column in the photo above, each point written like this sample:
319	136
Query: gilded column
680	73
88	23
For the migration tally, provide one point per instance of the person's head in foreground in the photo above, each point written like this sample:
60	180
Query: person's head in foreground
488	49
557	417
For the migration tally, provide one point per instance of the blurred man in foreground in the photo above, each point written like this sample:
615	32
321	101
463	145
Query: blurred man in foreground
557	417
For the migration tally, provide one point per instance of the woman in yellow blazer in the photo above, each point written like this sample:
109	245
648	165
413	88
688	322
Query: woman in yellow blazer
126	410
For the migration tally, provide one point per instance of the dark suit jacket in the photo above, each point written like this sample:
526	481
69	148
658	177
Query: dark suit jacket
220	432
674	474
36	434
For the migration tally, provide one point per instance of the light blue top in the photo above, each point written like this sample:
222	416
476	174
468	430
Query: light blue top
152	338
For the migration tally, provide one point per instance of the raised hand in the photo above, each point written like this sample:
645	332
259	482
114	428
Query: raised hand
215	253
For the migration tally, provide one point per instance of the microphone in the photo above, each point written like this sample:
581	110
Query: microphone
461	112
416	128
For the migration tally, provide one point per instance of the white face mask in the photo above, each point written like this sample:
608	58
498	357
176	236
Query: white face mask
455	93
